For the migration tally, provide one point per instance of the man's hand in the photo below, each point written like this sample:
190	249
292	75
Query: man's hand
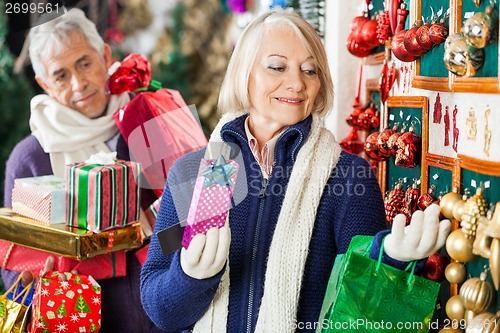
422	238
206	255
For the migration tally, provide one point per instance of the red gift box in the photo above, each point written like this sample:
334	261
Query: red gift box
66	306
102	196
18	258
159	128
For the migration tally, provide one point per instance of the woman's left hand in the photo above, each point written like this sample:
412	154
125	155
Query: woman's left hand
423	237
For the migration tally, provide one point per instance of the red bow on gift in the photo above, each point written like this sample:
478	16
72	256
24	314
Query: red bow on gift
133	74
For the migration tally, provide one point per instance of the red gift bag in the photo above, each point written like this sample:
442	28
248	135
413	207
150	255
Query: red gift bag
159	128
66	306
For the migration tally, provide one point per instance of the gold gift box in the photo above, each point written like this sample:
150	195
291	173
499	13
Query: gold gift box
64	240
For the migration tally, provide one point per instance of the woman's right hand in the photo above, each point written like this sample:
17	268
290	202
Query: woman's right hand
206	254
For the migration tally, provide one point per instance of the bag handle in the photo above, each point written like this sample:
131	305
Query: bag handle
24	292
411	265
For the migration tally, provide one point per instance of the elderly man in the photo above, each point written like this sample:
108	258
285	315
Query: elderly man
69	123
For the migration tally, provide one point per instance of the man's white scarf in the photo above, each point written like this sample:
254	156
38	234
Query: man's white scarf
290	244
69	136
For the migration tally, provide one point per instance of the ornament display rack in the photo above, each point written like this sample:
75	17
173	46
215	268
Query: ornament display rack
431	73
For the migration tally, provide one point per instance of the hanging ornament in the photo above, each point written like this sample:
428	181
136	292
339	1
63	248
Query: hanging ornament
456	131
394	202
352	119
392	9
477	3
423	37
455	273
483	242
372	148
446	126
438	32
410	149
383	140
411	202
475	207
458	207
354	48
387	78
365	118
410	41
402	14
392	143
485	322
455	309
448	201
487	131
477	294
426	199
383	27
367	36
398	47
493	230
459	247
352	144
471	125
479	29
113	34
435	267
460	58
437	114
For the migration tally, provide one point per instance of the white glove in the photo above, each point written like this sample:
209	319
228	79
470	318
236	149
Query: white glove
423	237
206	255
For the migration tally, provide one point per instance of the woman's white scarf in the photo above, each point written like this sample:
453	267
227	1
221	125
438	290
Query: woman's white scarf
69	136
290	244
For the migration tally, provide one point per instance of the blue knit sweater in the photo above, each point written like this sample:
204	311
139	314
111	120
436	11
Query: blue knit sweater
350	205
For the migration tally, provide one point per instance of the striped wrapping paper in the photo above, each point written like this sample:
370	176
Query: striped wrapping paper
102	196
40	198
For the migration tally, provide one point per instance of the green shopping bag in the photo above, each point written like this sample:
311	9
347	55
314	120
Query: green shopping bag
364	295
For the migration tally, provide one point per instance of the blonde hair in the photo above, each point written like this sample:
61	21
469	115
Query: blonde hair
234	90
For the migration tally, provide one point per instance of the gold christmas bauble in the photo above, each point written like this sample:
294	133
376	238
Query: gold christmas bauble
459	247
454	308
458	210
447	202
485	322
455	272
477	294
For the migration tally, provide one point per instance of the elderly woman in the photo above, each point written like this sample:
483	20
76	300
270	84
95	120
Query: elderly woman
306	198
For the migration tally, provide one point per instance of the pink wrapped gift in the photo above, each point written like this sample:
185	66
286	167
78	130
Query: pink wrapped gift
102	196
211	197
40	198
18	258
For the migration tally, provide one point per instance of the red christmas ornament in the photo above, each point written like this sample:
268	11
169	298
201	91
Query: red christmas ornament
402	14
410	42
383	140
392	143
424	38
133	73
353	118
367	37
114	36
354	48
426	199
358	21
446	126
438	108
386	80
411	200
435	267
438	32
383	27
371	147
368	119
394	202
456	131
410	149
393	6
398	47
352	144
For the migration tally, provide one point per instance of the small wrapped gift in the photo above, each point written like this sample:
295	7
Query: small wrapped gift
73	305
40	198
211	197
102	195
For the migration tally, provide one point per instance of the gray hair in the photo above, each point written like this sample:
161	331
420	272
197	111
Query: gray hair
51	37
234	94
